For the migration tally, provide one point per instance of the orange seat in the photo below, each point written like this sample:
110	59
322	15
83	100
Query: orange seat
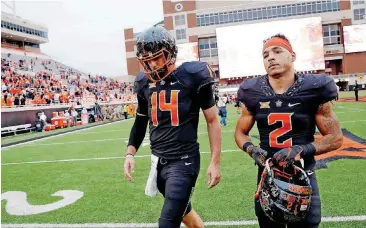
64	121
48	127
57	122
9	101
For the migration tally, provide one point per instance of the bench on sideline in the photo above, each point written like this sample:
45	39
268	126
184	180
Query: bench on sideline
15	129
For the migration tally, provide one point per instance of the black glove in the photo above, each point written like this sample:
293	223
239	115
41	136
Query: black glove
258	154
290	154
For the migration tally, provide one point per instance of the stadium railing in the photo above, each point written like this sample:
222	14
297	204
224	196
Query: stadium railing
61	105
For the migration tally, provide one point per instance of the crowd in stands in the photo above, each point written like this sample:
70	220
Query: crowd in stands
35	81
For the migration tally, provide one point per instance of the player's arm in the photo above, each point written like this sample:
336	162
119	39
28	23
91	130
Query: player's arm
137	135
207	103
330	128
138	130
332	139
243	127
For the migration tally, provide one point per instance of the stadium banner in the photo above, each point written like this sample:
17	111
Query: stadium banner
187	52
240	46
354	38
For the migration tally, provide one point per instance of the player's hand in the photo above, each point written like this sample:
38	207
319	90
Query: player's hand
213	175
287	155
258	154
129	167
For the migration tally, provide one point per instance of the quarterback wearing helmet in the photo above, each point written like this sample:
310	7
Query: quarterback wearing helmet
287	107
170	99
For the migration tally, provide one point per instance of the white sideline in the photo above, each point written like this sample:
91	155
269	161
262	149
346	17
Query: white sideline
66	133
129	225
91	159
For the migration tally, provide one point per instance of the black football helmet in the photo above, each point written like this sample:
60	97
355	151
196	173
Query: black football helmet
154	43
284	193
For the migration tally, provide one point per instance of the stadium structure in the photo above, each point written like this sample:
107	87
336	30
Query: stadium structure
202	22
33	82
21	39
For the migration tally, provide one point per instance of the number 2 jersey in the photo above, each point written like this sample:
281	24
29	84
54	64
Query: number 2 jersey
288	119
173	106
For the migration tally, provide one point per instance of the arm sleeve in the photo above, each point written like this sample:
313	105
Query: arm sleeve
206	97
138	131
142	106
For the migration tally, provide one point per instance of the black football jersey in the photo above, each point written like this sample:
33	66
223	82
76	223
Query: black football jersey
288	119
173	109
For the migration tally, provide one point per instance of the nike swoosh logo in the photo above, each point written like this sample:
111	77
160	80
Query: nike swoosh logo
291	105
186	163
172	83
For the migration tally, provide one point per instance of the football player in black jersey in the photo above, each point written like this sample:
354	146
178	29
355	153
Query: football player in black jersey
170	99
287	107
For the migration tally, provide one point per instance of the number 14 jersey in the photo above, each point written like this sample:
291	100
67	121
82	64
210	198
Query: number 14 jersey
288	119
173	108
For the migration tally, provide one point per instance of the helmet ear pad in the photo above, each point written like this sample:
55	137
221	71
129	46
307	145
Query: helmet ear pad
284	193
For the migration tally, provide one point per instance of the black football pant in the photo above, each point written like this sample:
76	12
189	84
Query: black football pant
356	95
311	221
176	180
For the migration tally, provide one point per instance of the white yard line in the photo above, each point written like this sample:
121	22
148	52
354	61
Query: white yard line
202	123
116	139
97	140
350	111
352	121
100	132
92	159
141	225
30	143
77	142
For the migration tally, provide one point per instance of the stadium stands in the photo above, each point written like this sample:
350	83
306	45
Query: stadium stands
31	78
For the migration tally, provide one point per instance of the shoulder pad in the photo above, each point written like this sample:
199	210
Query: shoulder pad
194	66
248	83
195	74
140	83
314	81
328	90
247	93
323	84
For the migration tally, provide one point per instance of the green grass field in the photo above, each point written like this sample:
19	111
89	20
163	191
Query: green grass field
352	93
109	198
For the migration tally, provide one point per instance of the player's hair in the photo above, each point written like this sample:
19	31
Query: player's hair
279	35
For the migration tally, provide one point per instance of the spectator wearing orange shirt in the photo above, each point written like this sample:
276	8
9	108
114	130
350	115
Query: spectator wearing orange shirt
9	100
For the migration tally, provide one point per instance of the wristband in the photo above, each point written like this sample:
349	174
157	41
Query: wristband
246	145
129	155
308	149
